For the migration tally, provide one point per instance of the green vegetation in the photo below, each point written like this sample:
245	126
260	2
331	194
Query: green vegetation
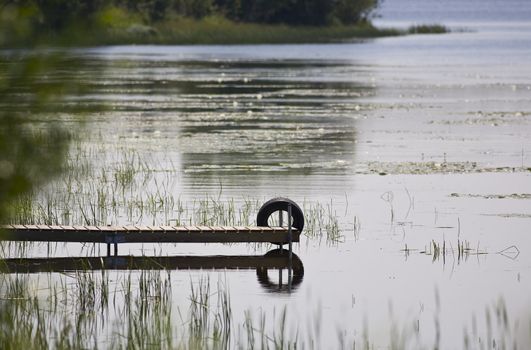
428	29
59	14
115	193
33	147
219	30
81	22
136	310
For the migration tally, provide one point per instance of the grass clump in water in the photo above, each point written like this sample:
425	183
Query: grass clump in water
428	29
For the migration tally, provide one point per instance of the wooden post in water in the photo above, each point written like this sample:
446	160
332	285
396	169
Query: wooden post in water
280	222
290	240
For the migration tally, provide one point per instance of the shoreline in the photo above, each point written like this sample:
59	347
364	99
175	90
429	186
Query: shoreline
216	31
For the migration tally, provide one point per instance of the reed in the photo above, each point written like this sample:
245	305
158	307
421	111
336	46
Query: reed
136	310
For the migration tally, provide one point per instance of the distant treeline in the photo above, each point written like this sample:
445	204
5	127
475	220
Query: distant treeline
58	14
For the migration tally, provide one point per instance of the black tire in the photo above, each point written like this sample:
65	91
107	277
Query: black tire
276	204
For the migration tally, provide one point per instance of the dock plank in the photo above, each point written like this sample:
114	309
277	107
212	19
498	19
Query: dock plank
147	234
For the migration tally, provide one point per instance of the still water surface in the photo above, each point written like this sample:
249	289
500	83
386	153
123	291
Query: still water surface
407	140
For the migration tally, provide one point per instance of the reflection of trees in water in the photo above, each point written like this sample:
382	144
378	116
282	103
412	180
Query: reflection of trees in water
282	119
239	117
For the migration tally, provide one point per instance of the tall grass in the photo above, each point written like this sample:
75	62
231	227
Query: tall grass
123	188
136	311
141	315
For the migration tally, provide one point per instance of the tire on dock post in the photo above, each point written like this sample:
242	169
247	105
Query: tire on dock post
280	204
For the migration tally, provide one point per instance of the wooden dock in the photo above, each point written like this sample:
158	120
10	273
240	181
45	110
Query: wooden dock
149	234
114	235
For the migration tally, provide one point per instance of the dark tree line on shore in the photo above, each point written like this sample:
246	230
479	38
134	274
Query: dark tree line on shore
56	14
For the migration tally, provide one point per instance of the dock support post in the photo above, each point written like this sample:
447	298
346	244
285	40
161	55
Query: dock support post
112	239
290	234
280	223
290	245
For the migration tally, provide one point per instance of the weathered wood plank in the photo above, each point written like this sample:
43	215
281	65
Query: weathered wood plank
147	234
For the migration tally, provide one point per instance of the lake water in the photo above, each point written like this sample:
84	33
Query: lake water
404	141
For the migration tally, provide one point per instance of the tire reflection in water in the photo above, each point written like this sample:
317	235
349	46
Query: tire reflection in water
278	260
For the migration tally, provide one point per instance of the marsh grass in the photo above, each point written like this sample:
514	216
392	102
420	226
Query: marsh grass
428	29
136	310
322	222
462	250
497	333
125	188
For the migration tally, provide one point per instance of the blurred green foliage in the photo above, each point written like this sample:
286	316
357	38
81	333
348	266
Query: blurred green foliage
34	137
37	94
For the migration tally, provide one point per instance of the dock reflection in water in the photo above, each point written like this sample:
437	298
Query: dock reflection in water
274	260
